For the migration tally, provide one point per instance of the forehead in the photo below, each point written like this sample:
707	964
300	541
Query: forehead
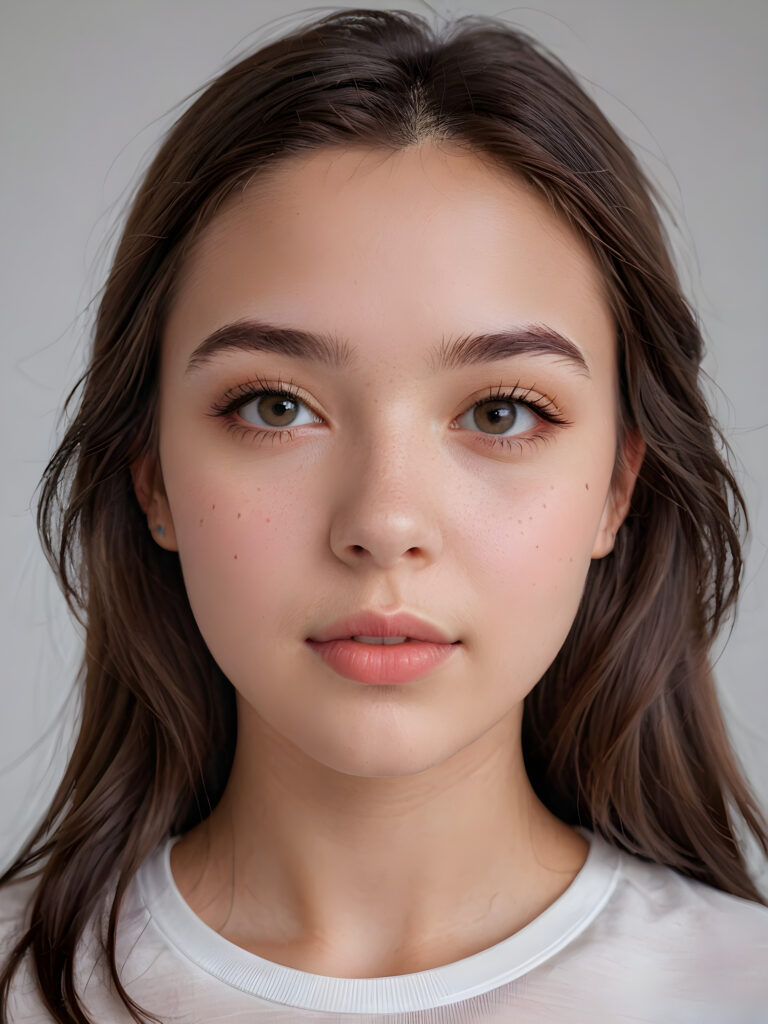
390	250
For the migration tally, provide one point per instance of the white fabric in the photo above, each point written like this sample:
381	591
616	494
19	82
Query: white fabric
627	941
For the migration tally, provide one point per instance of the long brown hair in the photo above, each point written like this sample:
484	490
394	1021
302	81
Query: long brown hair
623	734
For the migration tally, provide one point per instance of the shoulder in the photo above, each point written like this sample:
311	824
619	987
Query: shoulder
25	1005
664	947
688	939
675	903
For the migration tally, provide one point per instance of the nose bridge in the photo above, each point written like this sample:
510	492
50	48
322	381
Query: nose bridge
393	449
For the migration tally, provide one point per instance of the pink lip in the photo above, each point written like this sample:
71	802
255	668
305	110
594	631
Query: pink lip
391	663
372	623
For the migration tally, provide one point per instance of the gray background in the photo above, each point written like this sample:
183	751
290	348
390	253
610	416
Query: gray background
88	87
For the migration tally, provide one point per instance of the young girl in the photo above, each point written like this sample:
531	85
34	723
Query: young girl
397	524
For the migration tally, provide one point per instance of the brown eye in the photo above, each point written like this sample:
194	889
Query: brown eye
499	416
273	409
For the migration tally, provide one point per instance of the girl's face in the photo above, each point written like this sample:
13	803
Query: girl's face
398	480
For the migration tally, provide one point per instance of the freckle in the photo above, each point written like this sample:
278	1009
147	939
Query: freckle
551	487
212	507
570	559
537	547
202	521
239	514
530	517
269	520
235	556
519	521
587	486
543	506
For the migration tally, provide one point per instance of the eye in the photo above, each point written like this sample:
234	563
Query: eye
259	402
500	415
515	418
275	409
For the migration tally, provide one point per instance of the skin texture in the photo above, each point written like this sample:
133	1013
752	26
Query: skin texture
370	830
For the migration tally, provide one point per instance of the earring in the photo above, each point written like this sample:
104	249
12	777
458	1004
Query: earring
160	530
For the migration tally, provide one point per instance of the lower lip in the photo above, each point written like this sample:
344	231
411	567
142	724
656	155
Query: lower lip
382	663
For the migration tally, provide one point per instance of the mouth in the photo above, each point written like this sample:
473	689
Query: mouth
382	660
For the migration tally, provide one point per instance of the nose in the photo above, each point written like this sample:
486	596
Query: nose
386	502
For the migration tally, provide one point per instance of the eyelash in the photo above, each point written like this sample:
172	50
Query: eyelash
242	394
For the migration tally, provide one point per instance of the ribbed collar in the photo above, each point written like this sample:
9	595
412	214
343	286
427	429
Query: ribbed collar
539	940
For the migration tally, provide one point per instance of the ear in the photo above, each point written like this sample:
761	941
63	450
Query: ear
620	494
150	491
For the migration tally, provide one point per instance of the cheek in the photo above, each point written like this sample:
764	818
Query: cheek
242	549
529	569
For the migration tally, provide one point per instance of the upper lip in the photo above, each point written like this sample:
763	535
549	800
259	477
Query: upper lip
373	623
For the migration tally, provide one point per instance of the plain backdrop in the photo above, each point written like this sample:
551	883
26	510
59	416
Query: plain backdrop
87	89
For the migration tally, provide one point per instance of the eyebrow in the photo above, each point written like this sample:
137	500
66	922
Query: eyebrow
248	335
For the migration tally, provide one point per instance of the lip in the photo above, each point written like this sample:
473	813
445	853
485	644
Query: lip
373	623
378	663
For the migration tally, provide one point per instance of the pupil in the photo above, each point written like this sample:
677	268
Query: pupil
277	409
501	413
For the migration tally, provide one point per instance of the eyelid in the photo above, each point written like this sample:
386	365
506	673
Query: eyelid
544	406
241	394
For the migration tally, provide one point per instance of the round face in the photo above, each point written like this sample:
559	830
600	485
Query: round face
416	411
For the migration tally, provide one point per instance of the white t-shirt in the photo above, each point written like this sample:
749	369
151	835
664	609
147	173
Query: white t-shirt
628	940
